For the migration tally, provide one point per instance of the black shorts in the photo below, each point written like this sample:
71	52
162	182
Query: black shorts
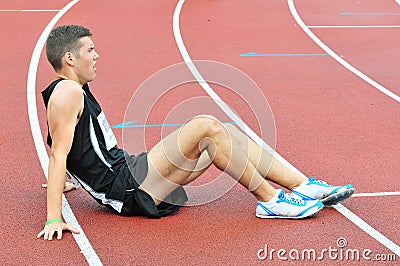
138	202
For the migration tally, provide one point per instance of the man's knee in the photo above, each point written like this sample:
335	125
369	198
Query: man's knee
210	124
205	116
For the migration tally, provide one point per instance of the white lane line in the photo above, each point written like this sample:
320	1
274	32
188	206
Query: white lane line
337	57
347	213
81	239
30	10
343	210
353	27
369	14
213	94
368	229
376	194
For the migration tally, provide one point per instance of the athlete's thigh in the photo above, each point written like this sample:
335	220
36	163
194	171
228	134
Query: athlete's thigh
173	160
169	165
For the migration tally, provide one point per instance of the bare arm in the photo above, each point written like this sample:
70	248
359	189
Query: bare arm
63	112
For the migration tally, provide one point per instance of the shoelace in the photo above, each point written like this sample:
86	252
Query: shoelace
292	200
319	182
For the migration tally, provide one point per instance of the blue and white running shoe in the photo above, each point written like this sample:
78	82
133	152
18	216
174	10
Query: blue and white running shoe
317	189
285	206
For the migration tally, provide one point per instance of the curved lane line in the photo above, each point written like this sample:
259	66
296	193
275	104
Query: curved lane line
224	107
81	239
337	57
340	208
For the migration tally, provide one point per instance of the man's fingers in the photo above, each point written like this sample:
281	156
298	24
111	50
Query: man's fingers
50	236
67	187
40	234
59	233
50	230
72	229
46	235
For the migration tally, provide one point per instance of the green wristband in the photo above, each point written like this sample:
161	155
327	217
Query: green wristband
54	220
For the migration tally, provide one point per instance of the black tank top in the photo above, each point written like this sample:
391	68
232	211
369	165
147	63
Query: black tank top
94	158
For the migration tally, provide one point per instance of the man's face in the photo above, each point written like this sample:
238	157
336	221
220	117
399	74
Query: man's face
85	63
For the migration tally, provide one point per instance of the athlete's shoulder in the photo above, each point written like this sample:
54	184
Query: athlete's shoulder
69	86
67	90
66	99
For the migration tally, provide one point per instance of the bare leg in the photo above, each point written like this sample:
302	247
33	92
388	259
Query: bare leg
173	161
267	166
202	165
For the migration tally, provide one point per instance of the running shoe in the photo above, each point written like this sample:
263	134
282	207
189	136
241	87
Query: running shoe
285	206
317	189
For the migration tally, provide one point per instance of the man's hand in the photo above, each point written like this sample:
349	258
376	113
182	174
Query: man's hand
67	187
58	227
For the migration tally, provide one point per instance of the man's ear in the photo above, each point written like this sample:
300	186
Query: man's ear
70	58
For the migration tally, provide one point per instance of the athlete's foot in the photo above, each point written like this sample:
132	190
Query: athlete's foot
329	195
285	206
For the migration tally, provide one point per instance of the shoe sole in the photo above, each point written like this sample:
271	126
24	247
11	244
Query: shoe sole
281	217
337	197
288	217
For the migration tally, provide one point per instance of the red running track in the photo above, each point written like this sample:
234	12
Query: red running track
329	123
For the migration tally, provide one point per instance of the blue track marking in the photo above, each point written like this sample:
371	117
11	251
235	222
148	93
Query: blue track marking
277	55
131	124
